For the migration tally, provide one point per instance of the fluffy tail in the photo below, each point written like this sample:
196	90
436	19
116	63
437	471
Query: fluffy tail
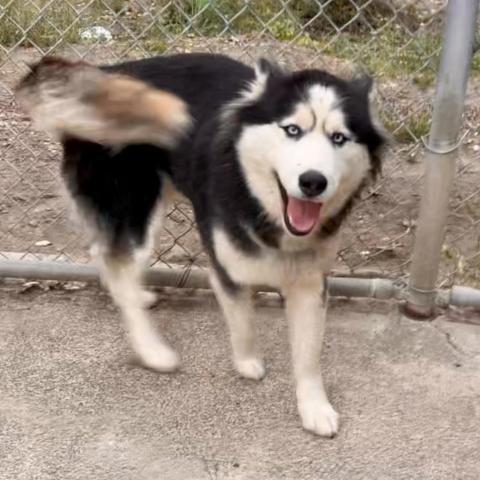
75	99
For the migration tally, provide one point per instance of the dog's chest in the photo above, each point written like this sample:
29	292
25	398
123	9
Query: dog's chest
273	267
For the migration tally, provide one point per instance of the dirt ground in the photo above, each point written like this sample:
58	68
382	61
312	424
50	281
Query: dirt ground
377	238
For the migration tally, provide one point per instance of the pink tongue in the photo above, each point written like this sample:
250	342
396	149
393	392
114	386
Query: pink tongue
302	214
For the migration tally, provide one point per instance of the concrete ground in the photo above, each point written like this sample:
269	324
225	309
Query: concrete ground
74	406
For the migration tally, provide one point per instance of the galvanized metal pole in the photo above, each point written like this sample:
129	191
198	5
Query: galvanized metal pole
443	142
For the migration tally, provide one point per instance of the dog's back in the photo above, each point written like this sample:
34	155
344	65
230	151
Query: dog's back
205	82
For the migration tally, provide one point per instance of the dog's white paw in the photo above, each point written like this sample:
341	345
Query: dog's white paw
158	356
252	368
318	417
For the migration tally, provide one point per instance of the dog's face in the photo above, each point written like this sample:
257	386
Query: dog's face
306	143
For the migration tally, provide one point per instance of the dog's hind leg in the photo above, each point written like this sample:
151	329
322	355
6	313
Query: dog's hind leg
237	307
306	312
122	275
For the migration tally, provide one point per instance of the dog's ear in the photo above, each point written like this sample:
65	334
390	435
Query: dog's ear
75	99
367	88
267	68
364	85
265	71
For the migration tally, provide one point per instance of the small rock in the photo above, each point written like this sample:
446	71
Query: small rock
74	285
28	286
408	223
43	243
96	34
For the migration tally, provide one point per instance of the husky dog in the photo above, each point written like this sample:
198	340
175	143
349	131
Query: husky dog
271	161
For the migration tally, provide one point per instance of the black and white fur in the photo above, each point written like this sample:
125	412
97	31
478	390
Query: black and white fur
239	159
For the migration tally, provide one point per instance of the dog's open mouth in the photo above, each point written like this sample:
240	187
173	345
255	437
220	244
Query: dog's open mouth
300	216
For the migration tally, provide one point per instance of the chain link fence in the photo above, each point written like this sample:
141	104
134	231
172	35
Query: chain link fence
398	41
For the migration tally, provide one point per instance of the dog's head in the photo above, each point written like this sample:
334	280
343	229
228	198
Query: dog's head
306	142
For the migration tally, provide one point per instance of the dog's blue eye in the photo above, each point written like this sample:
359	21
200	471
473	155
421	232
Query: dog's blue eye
292	131
338	138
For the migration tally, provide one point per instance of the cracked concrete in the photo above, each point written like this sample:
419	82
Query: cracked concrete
463	337
74	407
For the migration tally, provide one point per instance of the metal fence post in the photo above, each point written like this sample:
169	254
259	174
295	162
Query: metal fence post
442	146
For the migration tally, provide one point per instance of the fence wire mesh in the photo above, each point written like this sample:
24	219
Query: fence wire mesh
398	41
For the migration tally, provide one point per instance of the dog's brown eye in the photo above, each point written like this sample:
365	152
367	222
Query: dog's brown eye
338	138
292	131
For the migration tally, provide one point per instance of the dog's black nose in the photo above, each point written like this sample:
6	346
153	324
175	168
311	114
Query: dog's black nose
312	183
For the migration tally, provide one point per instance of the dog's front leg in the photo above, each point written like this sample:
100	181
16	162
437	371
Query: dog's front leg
306	312
237	307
